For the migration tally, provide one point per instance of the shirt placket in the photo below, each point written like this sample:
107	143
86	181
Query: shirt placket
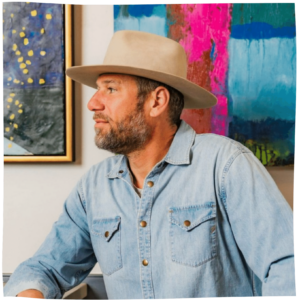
144	233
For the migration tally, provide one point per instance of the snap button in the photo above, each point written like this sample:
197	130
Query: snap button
145	262
150	183
107	234
143	223
187	223
121	171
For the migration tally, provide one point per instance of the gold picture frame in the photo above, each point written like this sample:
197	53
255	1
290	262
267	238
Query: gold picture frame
68	155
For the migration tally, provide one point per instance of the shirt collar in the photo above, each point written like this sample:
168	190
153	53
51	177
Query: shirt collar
178	154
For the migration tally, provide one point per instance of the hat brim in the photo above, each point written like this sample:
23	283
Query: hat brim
194	95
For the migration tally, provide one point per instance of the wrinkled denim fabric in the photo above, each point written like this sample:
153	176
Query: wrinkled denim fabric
217	225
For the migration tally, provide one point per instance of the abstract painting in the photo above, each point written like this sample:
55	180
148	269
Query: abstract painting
245	54
36	111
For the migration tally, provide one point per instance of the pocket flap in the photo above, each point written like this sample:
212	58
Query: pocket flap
189	217
105	227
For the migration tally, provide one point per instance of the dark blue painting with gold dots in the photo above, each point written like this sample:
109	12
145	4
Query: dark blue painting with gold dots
33	79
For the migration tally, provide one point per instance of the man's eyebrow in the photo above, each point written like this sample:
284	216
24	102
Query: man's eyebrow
109	81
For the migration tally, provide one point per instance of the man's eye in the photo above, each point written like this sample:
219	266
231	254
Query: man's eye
112	90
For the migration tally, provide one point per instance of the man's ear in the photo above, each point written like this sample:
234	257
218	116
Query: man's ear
158	101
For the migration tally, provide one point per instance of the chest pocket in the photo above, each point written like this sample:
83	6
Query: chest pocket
105	235
193	234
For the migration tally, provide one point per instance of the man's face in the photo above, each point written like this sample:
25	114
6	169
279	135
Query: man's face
121	126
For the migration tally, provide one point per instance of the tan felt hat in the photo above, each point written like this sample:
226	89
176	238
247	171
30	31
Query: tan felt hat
146	55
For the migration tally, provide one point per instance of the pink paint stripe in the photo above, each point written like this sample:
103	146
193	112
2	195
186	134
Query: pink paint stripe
219	121
210	27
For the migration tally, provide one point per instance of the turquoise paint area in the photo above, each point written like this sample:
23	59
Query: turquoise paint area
148	18
15	149
262	78
276	14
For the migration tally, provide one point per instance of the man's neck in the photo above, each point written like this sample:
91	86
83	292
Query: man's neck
142	162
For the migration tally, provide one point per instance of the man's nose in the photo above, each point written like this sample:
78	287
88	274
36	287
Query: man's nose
96	103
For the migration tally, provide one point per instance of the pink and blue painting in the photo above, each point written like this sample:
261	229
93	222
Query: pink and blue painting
33	79
245	54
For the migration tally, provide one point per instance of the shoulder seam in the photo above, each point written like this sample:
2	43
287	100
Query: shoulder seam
226	169
230	140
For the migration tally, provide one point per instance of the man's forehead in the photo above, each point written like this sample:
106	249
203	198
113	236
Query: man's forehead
113	78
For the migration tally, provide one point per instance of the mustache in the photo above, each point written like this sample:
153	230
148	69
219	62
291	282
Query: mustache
101	116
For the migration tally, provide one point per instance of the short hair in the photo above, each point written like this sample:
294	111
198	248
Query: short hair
146	86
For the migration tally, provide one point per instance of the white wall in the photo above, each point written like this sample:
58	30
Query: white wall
34	193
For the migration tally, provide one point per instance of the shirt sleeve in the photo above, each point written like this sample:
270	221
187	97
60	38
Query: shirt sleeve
64	259
262	223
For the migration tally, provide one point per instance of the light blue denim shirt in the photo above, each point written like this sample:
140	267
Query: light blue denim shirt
216	225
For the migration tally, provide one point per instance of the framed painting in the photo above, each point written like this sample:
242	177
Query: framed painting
37	96
245	54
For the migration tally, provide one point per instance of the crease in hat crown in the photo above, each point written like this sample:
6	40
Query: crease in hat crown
147	55
124	50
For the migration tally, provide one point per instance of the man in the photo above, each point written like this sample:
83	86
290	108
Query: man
175	214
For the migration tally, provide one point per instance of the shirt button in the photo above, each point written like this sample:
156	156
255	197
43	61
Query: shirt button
145	262
150	183
143	223
121	171
187	223
107	234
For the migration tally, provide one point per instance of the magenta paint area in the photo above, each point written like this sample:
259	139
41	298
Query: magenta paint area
206	32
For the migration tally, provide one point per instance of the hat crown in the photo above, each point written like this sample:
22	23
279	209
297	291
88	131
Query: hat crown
146	51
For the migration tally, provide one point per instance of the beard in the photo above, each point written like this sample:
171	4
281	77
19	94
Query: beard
127	136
